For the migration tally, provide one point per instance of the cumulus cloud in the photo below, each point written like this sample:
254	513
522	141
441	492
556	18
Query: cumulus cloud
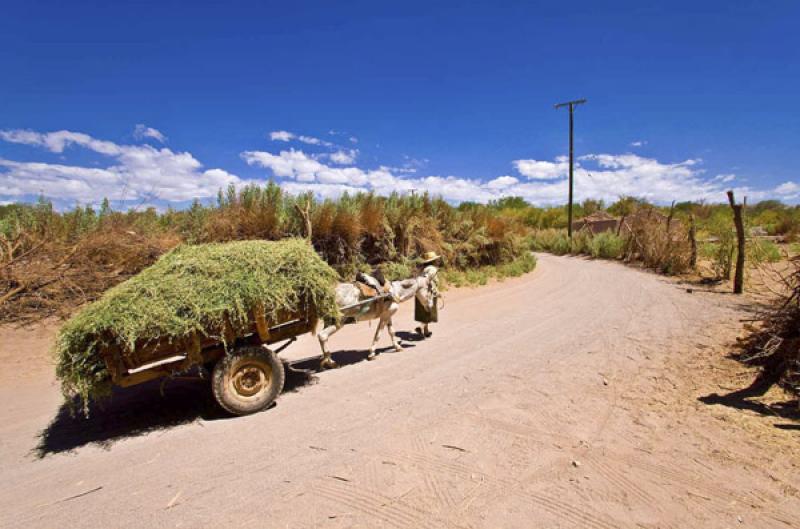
281	135
344	157
788	191
145	173
134	172
142	131
606	176
542	170
502	182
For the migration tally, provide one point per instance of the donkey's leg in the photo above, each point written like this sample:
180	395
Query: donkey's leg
327	362
395	343
371	354
392	310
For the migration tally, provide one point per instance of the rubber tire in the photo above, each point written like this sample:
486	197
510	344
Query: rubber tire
226	366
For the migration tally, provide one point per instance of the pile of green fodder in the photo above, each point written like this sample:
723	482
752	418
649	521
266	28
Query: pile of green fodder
192	289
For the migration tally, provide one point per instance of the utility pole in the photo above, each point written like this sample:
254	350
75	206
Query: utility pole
572	105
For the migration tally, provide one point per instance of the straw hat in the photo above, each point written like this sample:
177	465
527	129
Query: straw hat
429	257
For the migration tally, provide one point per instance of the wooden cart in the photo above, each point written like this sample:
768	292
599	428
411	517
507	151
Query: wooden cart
246	376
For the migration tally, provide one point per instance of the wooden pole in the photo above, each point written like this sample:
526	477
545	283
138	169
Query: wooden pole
669	218
571	162
571	105
692	242
738	278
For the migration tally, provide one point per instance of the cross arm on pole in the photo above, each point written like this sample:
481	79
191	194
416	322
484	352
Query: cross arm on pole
570	103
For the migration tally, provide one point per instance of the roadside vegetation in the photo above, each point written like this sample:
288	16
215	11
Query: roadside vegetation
659	236
53	261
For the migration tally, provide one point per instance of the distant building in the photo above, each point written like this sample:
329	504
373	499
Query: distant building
601	221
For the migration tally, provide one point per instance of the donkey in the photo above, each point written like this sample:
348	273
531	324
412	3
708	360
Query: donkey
348	294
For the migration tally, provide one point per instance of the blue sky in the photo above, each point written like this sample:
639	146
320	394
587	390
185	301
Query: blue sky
160	102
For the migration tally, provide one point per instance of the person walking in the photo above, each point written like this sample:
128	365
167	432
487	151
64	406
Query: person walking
427	267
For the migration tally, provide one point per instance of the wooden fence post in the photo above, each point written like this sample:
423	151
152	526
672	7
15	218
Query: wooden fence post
738	278
692	242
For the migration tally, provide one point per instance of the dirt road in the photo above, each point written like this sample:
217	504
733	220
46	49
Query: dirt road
561	399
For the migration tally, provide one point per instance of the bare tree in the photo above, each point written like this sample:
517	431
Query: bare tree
305	214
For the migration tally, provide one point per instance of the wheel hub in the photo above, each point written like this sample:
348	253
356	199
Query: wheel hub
249	380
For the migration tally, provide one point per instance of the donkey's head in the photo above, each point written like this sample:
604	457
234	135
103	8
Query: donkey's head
420	286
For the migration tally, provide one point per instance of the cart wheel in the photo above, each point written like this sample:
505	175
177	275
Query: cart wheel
247	380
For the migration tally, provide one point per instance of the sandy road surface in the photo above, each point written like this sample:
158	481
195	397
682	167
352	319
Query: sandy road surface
545	401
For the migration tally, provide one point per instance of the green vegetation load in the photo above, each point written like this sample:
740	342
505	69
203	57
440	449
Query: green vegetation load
193	289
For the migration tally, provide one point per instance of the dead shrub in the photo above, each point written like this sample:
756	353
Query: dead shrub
775	343
52	278
658	241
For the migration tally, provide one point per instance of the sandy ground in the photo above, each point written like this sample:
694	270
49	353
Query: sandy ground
566	398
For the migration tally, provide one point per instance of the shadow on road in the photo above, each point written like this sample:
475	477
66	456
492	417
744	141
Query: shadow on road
149	407
409	336
743	400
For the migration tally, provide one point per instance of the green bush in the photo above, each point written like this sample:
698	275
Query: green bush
581	243
607	245
480	276
551	241
763	251
394	271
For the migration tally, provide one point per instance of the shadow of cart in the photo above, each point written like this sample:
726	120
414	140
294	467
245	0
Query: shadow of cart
158	405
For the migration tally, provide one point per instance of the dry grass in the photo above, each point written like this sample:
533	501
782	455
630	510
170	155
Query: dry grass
51	262
774	341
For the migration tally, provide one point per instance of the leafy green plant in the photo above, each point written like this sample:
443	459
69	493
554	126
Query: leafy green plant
763	251
607	245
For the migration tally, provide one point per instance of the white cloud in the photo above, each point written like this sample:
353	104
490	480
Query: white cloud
353	139
285	135
59	140
141	132
725	177
281	135
344	157
310	140
788	190
502	182
605	176
145	173
542	170
135	172
639	143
